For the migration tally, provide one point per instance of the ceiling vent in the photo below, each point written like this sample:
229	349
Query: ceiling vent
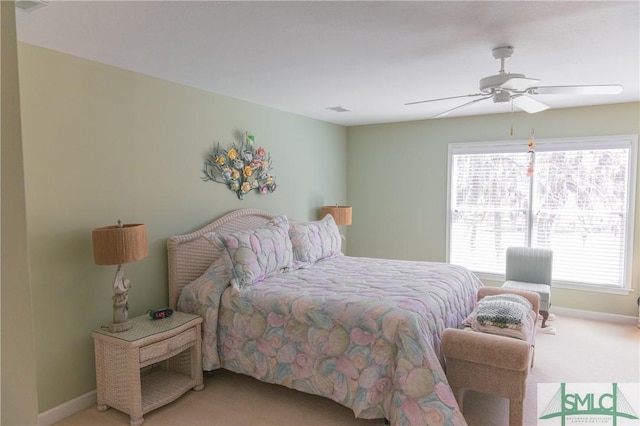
30	5
339	109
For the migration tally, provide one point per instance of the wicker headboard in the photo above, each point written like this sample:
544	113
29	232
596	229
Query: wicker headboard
190	255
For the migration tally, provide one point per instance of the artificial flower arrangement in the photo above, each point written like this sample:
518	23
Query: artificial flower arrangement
242	167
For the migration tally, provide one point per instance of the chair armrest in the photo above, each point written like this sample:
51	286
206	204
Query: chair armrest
533	298
488	349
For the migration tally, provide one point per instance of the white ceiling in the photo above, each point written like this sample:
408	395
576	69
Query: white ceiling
369	57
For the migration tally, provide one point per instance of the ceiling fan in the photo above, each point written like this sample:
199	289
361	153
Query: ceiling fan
516	88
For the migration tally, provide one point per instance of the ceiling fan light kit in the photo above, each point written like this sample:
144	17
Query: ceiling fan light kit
500	96
517	88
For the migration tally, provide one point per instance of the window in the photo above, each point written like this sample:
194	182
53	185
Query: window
578	202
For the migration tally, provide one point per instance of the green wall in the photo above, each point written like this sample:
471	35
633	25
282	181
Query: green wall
102	144
397	183
18	402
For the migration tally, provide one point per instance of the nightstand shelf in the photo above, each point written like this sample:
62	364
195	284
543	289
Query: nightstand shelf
154	385
170	348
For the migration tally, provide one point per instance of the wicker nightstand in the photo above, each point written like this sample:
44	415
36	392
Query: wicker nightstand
173	342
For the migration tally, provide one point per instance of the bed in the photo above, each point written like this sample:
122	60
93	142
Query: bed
282	304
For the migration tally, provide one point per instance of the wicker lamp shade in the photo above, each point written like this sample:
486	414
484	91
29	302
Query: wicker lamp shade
115	245
341	214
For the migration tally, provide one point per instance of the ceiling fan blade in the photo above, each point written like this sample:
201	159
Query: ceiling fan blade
528	104
442	114
519	83
444	99
606	89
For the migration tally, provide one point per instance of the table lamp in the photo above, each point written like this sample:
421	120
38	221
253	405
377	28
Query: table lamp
341	214
117	245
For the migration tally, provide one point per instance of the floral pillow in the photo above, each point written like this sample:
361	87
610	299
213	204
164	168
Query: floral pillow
221	256
259	253
313	241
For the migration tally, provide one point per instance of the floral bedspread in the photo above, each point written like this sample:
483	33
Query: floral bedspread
364	332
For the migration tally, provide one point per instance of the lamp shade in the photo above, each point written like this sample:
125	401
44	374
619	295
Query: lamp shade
115	245
341	214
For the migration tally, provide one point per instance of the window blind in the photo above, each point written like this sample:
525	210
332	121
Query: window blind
578	202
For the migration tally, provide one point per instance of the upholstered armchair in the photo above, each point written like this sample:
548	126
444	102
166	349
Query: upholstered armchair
530	269
490	363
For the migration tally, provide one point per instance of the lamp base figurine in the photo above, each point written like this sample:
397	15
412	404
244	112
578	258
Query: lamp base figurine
121	287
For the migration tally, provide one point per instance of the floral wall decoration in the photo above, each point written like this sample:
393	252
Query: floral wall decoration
242	167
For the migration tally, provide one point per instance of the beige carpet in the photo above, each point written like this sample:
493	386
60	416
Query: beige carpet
582	351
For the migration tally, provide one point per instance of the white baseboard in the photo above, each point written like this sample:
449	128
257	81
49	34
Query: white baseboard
69	408
597	316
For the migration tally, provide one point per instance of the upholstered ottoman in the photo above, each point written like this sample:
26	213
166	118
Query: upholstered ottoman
493	363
